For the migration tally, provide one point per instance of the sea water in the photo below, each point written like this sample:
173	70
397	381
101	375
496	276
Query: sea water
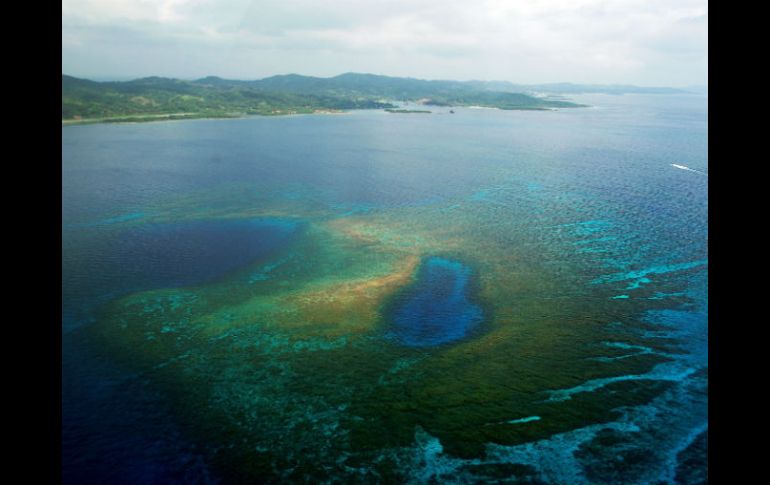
463	297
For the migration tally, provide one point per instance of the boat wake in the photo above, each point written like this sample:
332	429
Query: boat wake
682	167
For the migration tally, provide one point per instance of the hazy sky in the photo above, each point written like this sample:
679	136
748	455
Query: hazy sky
642	42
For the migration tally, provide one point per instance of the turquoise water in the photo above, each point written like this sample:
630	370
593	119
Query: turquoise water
373	297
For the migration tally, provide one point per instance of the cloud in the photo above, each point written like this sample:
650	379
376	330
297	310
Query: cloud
524	41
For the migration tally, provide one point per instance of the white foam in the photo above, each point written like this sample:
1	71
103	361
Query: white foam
682	167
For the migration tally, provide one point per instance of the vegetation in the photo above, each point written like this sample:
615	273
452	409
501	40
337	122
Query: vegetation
156	98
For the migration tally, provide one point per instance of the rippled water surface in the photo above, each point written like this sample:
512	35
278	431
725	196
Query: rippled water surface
373	297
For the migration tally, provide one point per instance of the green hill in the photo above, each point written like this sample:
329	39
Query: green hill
162	98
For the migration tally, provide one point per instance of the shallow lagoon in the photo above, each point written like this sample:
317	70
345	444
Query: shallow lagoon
283	360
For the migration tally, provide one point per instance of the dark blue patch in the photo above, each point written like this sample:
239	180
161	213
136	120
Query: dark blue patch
150	256
436	310
186	253
115	429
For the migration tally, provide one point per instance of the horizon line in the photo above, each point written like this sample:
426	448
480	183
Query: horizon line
132	78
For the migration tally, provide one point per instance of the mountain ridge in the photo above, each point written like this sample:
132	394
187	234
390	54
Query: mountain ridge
154	97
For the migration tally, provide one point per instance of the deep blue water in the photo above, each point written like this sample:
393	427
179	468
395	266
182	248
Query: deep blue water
161	255
437	309
185	253
642	220
116	428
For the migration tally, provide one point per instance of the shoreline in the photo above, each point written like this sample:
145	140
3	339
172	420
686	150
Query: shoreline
155	118
149	118
186	116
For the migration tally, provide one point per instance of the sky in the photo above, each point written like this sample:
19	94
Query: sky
640	42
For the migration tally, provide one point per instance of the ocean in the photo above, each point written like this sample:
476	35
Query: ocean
375	297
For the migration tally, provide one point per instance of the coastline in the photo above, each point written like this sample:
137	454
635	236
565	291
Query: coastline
154	118
147	118
150	118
